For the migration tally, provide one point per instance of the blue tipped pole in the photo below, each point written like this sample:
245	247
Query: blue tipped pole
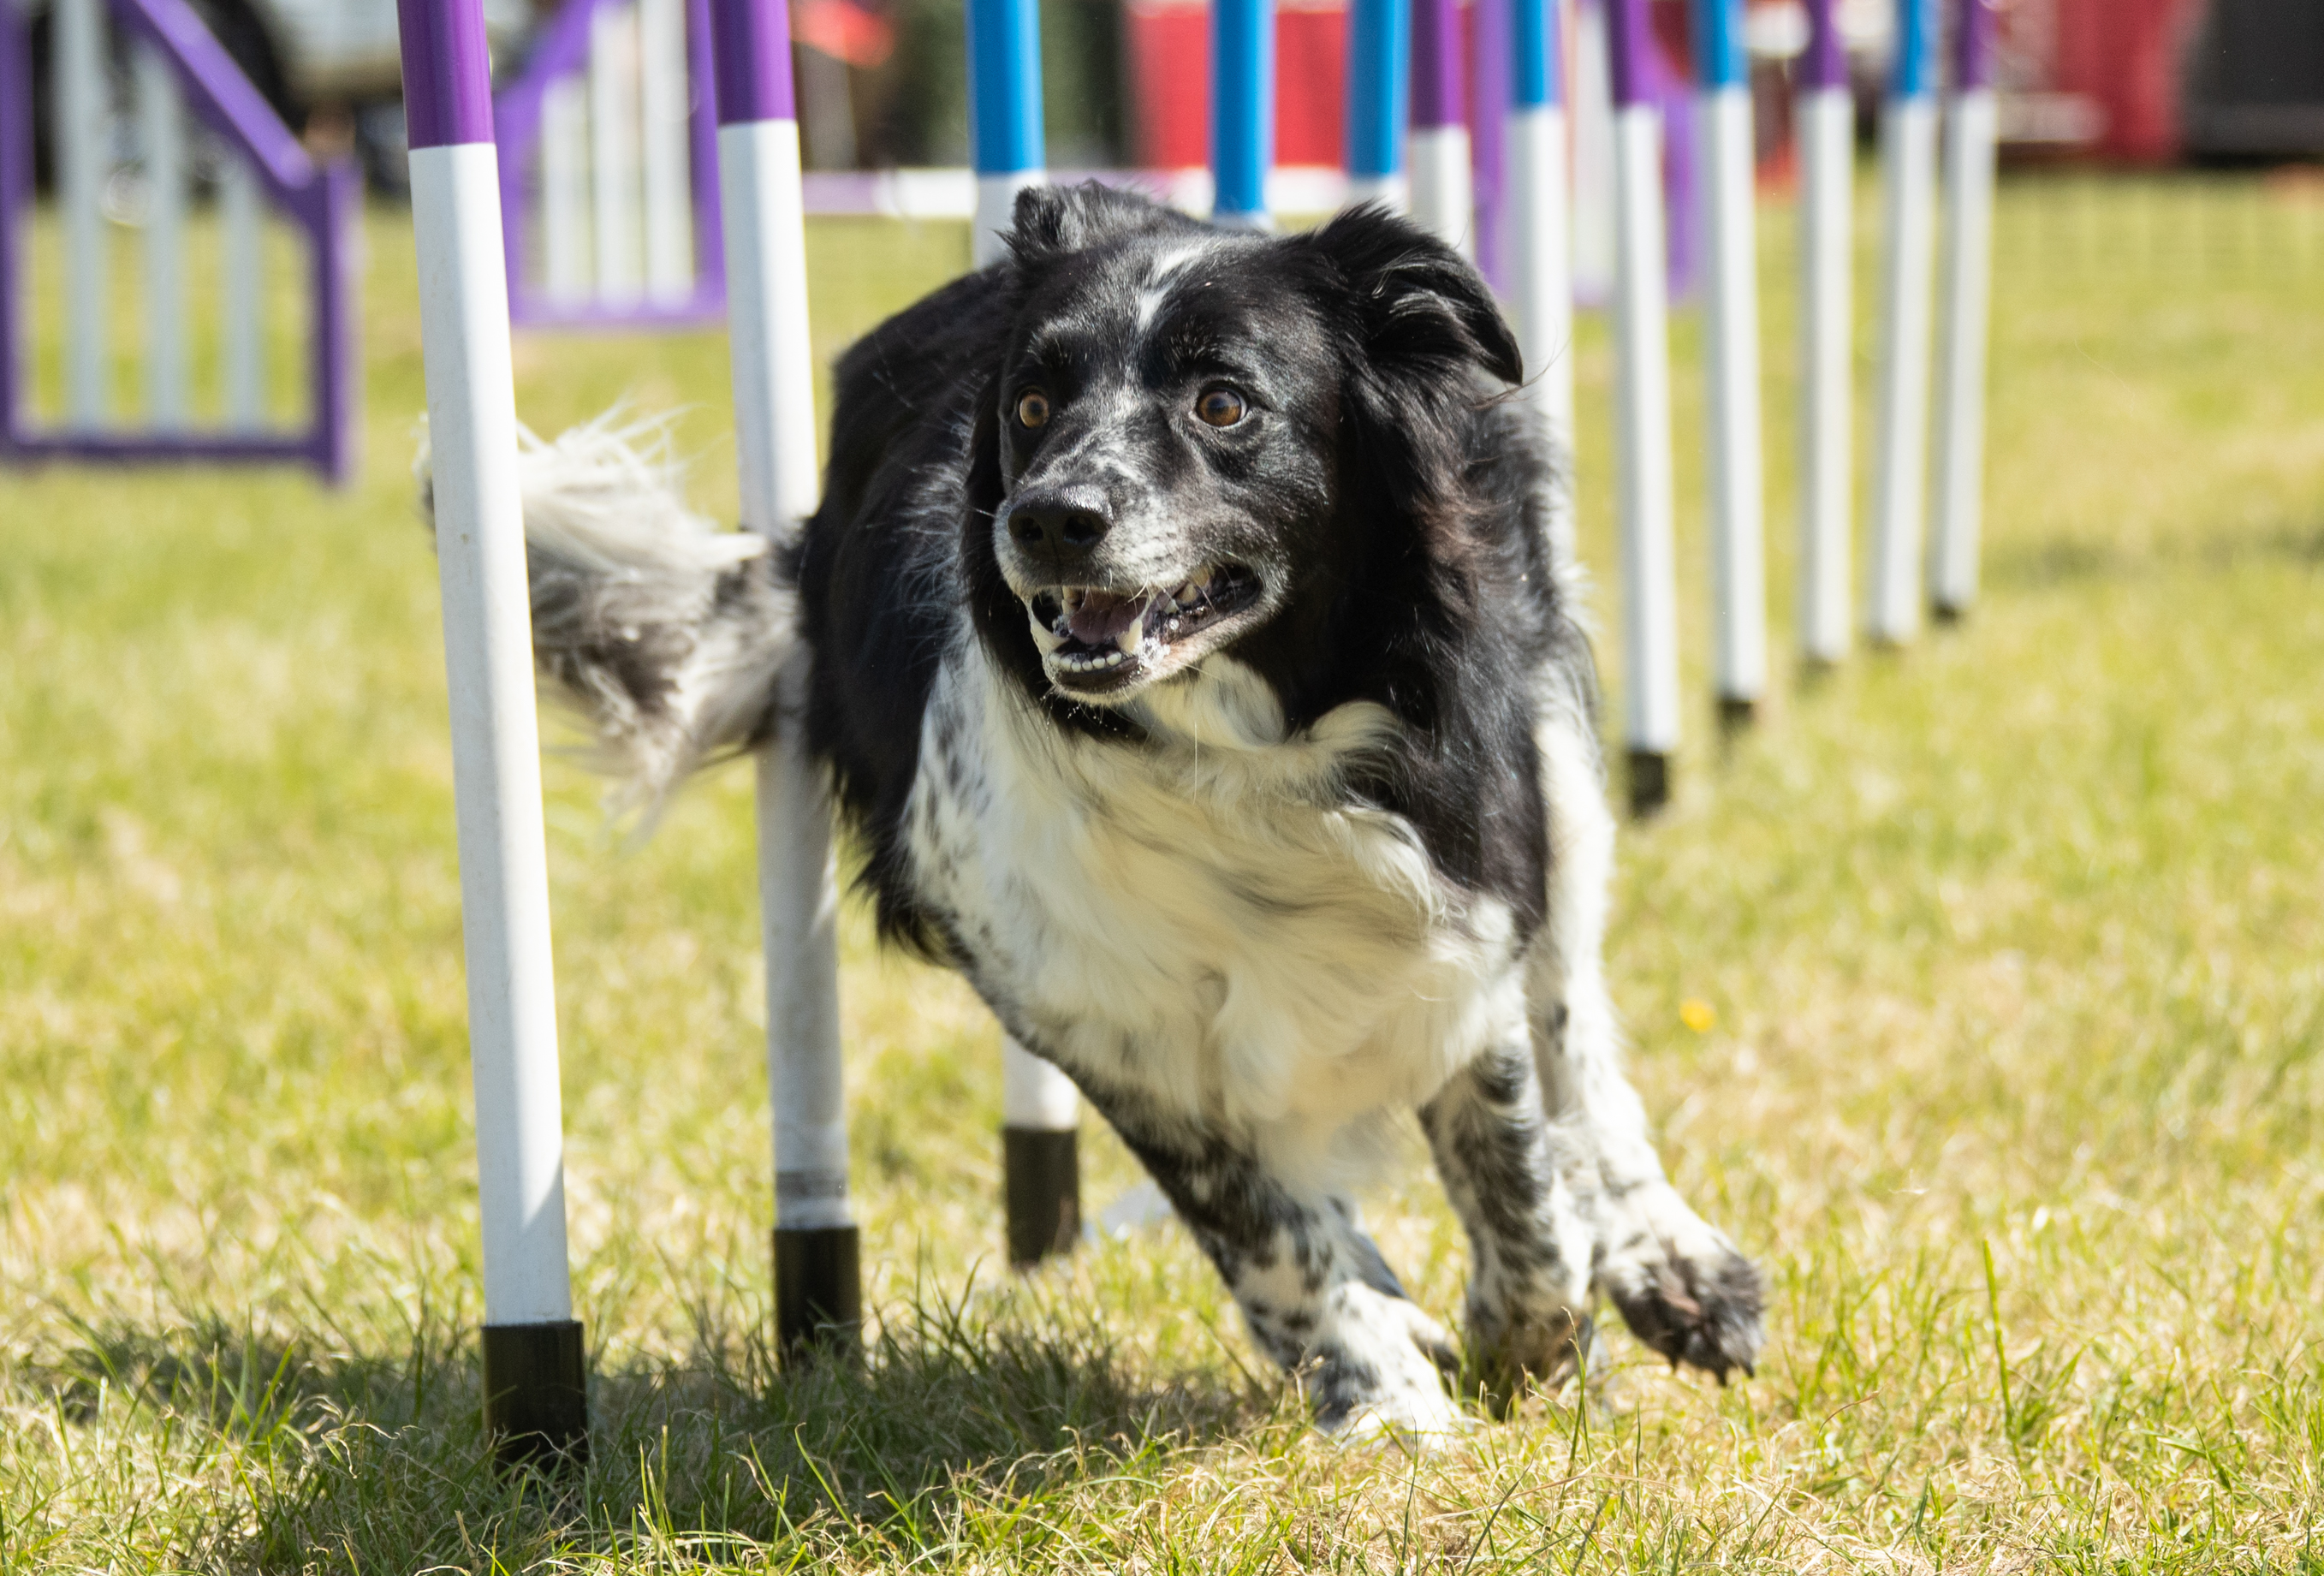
1004	113
1379	85
1908	135
1541	273
1242	110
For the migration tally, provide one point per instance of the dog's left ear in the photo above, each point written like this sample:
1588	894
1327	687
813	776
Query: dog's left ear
1419	306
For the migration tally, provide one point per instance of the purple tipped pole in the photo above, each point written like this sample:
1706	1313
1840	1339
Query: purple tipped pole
1442	193
1628	38
448	73
1973	46
750	41
1956	507
1824	64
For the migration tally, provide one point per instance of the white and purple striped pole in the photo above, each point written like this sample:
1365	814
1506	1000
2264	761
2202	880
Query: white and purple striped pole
1380	82
1825	116
1908	132
1968	274
1040	1108
1242	112
1004	115
1642	426
1541	274
818	1295
1443	199
1731	362
535	1396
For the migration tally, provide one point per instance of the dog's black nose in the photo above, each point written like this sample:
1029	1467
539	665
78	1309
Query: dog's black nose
1059	521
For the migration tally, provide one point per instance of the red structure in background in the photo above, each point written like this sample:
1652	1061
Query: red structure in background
2103	77
1169	48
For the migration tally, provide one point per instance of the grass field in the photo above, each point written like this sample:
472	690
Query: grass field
1980	993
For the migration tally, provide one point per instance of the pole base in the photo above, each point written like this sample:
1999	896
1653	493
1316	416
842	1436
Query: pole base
536	1394
819	1291
1948	612
1650	784
1041	1186
1736	713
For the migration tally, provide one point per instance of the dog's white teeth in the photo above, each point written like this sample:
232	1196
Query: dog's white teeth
1047	639
1129	641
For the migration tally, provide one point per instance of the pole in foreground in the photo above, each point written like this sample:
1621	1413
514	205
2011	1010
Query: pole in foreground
1968	270
535	1395
1040	1107
1380	81
819	1294
1908	131
1642	416
1826	119
1242	112
1542	273
1731	361
1004	115
1444	201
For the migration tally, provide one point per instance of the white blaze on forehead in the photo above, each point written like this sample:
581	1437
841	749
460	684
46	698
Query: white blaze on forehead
1161	278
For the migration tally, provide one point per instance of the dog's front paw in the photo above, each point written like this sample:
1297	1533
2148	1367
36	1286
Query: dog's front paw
1381	1368
1542	1346
1685	1290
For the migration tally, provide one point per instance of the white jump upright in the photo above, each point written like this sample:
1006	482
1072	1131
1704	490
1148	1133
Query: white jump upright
1966	284
819	1291
84	126
1642	428
1825	116
1242	112
1040	1108
1443	191
614	156
1379	83
1004	115
663	101
242	256
535	1401
1541	252
1908	133
1738	564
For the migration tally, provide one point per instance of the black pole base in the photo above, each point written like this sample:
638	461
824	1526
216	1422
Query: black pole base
818	1291
1650	782
537	1394
1948	612
1041	1186
1736	714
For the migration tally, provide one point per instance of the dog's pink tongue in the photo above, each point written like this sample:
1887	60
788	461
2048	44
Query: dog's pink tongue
1102	616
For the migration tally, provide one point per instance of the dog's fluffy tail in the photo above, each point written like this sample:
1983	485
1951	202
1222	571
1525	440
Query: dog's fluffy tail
667	633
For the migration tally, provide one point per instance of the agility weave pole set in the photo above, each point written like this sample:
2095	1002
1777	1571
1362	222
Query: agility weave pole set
534	1368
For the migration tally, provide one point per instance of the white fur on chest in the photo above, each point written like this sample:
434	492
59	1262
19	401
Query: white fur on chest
1203	917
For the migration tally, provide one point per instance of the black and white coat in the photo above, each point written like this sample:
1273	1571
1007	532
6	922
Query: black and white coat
1186	654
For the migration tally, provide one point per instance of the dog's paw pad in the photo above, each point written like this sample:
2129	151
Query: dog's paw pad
1701	1308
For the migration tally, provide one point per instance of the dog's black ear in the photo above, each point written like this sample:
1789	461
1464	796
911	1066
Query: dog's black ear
1417	302
1051	221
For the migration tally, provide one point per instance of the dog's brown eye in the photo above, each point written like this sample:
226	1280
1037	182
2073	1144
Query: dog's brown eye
1032	408
1219	406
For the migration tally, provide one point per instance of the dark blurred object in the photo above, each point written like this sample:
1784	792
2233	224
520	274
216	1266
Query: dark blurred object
2255	80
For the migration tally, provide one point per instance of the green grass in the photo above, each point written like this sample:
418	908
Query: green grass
2012	944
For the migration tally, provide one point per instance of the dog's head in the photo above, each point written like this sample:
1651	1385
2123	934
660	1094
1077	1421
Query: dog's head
1200	440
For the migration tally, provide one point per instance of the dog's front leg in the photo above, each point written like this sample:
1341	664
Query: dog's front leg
1317	1296
1531	1242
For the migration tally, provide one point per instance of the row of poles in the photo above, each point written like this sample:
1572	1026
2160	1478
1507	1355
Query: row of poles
533	1353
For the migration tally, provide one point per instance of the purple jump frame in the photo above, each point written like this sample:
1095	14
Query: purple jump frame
563	52
323	200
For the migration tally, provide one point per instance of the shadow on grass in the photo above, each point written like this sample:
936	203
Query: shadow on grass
952	1430
2054	565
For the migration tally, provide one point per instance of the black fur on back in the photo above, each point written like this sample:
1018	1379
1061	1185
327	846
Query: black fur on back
1411	504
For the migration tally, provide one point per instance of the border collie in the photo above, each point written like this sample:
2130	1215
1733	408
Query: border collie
1186	650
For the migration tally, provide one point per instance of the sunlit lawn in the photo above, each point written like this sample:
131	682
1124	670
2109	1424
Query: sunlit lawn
2011	944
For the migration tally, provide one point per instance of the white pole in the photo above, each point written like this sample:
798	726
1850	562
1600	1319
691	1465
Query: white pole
1731	362
1543	290
242	256
1960	399
1642	343
564	190
83	166
1908	131
613	150
162	141
662	112
1443	198
1827	152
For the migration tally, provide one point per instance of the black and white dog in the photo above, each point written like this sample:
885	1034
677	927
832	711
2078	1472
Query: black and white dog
1186	654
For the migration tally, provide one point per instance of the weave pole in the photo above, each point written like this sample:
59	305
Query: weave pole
1825	115
1738	564
1908	131
818	1288
1242	112
1444	197
1966	286
1541	273
1379	83
1642	416
1004	115
1040	1110
535	1396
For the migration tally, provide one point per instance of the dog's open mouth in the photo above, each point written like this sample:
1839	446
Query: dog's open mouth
1096	640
